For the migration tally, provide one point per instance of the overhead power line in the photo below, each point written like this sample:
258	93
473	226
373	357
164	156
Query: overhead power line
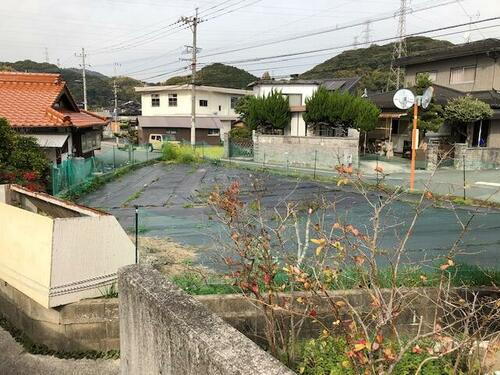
351	45
328	30
151	36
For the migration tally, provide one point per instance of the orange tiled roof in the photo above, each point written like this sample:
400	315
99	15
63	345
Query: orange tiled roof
29	100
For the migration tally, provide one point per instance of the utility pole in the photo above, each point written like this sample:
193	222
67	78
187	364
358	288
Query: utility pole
84	78
193	24
400	49
46	55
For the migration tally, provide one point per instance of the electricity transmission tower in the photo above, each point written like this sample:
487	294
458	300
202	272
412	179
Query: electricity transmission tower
356	42
400	49
47	55
367	32
84	78
193	22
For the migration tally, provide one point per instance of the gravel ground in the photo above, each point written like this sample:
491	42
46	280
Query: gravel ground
172	206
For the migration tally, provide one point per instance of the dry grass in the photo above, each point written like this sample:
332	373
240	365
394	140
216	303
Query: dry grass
165	255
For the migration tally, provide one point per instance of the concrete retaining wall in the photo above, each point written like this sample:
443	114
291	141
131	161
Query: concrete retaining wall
81	326
326	153
476	157
165	331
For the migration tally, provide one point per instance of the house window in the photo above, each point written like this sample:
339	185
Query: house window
172	100
203	103
480	134
463	74
234	101
213	132
294	99
432	75
155	100
220	108
395	126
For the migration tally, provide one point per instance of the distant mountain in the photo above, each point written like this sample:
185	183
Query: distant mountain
99	87
371	64
218	75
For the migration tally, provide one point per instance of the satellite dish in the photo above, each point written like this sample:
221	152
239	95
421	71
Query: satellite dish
427	97
404	99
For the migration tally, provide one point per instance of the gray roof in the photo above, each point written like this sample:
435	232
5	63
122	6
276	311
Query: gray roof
346	84
489	46
178	122
442	95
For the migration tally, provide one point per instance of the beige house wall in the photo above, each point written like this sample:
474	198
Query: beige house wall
487	72
25	251
494	137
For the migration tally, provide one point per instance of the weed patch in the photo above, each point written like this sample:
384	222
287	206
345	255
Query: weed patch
41	349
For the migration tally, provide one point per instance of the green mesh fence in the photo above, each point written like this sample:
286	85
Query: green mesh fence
76	172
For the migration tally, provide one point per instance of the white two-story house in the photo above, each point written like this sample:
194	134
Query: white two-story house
298	91
166	110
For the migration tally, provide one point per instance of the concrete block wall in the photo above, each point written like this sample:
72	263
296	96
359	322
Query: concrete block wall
82	326
305	152
165	331
476	158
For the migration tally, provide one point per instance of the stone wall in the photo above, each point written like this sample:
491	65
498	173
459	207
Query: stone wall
476	157
306	152
165	331
81	326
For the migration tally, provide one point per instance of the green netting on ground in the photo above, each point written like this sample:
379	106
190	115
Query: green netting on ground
76	172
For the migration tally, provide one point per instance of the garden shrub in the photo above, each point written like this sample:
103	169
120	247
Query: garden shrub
240	133
22	161
329	356
179	153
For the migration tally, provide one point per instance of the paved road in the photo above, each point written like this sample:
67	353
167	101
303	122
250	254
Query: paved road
171	198
15	361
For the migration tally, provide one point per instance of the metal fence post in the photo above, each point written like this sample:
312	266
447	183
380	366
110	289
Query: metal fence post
377	170
264	161
315	162
465	182
136	234
68	179
54	178
114	158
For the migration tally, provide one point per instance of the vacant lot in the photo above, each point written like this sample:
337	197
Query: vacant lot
172	200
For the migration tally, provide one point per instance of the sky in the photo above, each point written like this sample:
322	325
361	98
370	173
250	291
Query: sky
145	40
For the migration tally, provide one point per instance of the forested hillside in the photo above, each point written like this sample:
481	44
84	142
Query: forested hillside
99	86
371	64
218	75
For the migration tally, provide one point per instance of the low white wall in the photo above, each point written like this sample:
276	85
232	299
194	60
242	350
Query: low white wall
56	252
87	252
26	251
324	152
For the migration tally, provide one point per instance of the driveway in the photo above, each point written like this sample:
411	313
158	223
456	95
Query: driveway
172	205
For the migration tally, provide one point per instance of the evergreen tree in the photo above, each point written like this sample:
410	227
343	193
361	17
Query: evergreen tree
340	109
